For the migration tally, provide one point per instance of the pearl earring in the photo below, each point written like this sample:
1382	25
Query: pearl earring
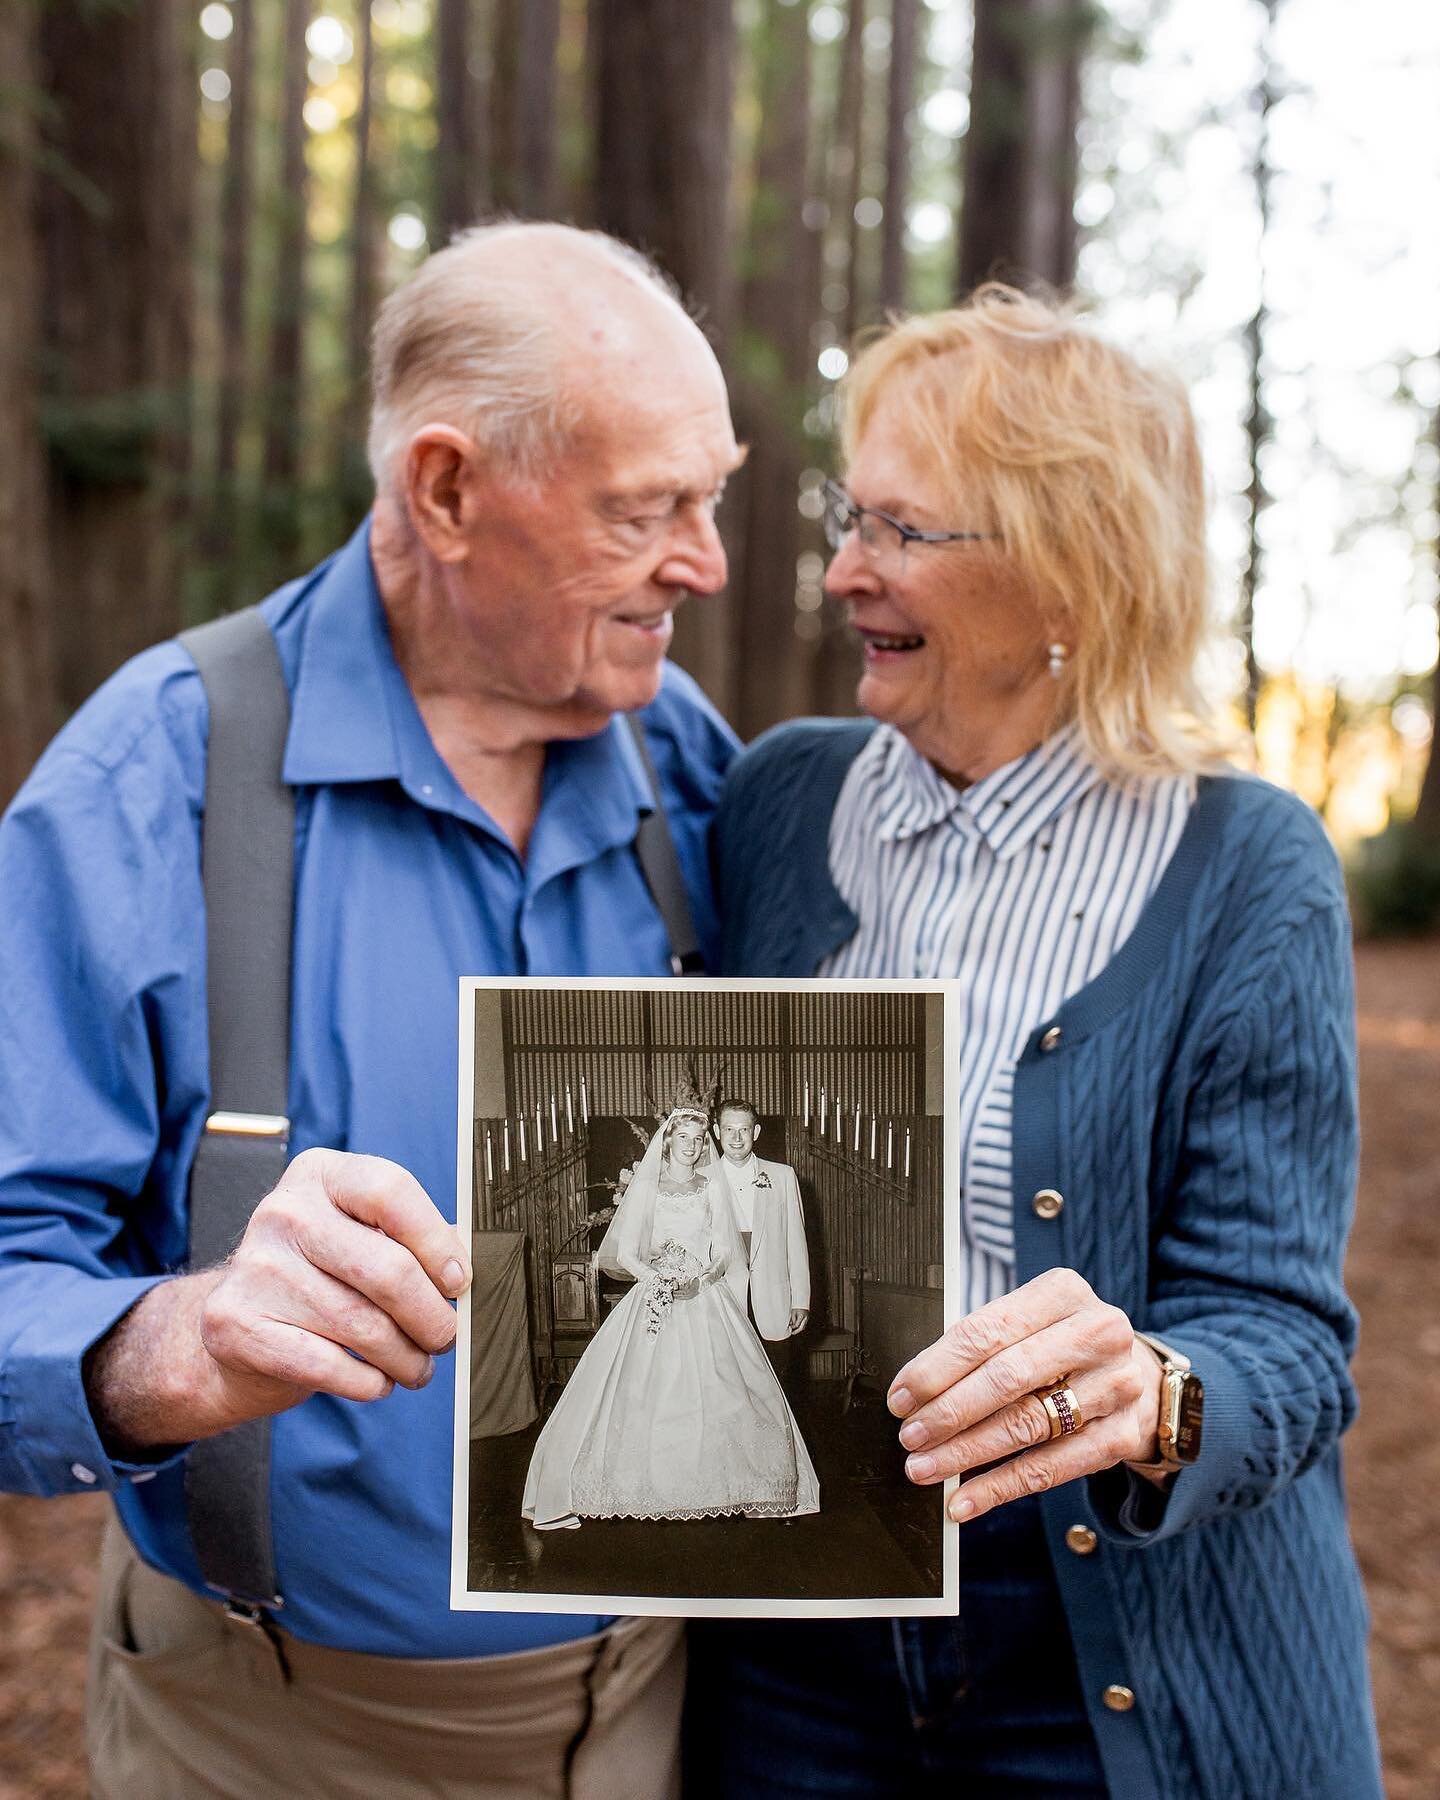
1059	656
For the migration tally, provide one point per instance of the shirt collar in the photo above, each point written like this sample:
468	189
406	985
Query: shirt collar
340	725
353	718
1008	808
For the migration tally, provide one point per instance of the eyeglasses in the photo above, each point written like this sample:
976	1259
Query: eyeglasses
881	533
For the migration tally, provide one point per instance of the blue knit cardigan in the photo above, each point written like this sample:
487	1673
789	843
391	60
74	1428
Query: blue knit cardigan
1197	1111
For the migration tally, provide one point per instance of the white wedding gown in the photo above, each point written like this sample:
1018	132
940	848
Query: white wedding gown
687	1422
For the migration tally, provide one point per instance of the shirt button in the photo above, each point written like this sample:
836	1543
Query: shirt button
1081	1539
1051	1038
426	789
1119	1698
1047	1203
81	1473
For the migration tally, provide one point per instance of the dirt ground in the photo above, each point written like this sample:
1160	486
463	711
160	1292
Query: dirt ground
47	1548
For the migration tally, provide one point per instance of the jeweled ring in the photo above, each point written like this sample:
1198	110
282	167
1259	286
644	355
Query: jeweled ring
1062	1409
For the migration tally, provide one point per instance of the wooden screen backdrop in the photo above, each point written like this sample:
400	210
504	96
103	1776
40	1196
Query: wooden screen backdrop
844	1075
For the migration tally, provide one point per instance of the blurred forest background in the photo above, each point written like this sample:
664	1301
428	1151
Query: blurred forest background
202	200
201	203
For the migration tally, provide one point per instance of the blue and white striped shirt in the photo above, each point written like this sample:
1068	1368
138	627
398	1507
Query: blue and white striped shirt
1020	887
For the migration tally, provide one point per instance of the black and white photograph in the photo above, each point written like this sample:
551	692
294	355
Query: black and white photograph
708	1227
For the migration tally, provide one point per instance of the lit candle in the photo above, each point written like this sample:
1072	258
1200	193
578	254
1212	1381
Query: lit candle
522	1140
806	1120
554	1122
839	1121
584	1103
857	1128
890	1145
569	1111
823	1112
539	1131
489	1157
872	1137
507	1146
907	1152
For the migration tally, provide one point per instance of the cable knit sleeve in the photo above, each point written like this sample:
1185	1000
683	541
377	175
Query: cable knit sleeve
1245	1273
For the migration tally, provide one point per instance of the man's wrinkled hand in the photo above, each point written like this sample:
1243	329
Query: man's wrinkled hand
341	1285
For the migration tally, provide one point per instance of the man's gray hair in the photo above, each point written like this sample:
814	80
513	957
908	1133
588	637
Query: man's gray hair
467	342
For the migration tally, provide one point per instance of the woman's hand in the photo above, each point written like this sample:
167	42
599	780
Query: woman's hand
972	1398
687	1290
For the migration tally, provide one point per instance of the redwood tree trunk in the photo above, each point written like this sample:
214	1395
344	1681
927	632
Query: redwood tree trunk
1017	211
664	86
774	366
285	374
459	116
899	100
665	74
115	217
353	472
236	212
527	33
28	704
848	141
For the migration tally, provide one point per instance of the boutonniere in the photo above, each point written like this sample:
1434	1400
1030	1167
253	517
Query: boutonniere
762	1180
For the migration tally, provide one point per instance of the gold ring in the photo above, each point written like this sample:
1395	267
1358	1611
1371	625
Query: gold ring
1062	1409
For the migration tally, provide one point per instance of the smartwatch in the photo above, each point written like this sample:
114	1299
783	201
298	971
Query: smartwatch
1182	1407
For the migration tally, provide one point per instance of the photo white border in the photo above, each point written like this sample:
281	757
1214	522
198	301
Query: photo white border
465	1599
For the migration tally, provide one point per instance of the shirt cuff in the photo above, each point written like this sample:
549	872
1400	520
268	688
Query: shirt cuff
53	1438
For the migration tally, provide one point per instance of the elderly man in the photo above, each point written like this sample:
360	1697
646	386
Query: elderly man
550	437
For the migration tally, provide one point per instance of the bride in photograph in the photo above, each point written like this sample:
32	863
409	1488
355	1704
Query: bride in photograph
674	1411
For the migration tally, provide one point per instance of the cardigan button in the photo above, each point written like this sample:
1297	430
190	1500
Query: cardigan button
1051	1038
1081	1539
1119	1698
1047	1203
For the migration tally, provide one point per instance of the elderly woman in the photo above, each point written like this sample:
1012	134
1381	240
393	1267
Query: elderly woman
1143	1399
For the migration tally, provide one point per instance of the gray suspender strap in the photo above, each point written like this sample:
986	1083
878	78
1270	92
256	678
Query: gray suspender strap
247	865
661	868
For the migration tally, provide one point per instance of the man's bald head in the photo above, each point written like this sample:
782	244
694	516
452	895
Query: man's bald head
508	333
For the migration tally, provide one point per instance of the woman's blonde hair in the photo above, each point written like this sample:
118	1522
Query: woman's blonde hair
1087	465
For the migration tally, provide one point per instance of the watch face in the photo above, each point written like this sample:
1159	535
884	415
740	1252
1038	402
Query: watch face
1189	1417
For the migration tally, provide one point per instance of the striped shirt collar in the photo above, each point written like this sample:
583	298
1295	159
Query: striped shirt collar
1008	808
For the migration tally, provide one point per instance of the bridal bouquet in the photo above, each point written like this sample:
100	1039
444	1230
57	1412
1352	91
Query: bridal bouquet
673	1265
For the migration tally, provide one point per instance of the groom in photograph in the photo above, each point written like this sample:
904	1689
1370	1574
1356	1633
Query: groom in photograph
772	1228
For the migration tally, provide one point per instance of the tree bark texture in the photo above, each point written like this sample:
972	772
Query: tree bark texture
847	141
1017	218
115	222
772	357
527	33
900	98
29	709
664	76
460	152
353	483
285	375
237	203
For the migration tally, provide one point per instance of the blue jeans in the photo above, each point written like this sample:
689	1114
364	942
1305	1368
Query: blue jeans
880	1709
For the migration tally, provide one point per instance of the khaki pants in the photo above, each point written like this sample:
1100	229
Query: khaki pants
185	1702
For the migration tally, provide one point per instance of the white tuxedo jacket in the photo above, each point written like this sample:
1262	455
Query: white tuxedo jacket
779	1280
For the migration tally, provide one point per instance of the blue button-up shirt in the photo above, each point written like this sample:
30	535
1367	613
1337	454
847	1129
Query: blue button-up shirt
402	885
